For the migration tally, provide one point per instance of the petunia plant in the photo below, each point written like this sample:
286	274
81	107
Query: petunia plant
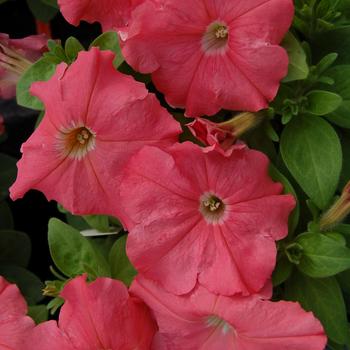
199	152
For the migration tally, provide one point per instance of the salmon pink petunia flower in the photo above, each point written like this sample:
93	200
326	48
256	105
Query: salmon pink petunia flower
16	56
95	119
99	315
202	216
207	55
112	14
202	320
14	324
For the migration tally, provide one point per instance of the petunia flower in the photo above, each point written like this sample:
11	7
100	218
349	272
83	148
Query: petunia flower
95	119
204	217
14	324
208	55
99	315
223	136
203	320
112	14
16	56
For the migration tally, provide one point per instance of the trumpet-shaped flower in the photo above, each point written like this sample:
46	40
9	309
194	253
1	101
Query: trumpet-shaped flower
99	315
14	324
204	217
95	119
208	55
203	320
111	14
16	56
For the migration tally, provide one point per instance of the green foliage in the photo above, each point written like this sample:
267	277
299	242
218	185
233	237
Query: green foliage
98	222
324	298
121	267
312	152
110	41
323	256
341	76
44	10
298	67
322	102
276	175
38	313
72	47
29	284
73	254
41	70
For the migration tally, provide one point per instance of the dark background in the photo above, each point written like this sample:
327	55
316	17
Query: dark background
31	214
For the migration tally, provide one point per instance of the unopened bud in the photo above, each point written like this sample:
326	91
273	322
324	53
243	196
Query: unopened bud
338	211
53	288
223	136
242	123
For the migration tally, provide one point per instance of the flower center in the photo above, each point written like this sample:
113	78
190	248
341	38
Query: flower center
211	207
219	324
77	142
215	38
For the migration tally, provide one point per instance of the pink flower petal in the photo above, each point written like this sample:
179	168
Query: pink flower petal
196	70
14	324
110	13
177	241
118	116
202	320
99	315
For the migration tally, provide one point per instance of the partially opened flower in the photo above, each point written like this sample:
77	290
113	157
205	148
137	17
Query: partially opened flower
99	315
14	324
207	55
95	119
223	136
203	320
203	216
111	14
16	56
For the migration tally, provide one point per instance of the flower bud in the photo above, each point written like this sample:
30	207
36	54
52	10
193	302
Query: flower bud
338	211
222	136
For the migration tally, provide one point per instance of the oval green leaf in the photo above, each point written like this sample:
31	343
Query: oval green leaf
312	152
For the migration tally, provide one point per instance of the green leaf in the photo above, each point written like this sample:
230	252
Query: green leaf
41	10
110	41
72	48
122	268
324	298
282	271
325	63
73	254
341	86
8	172
298	68
322	256
6	219
276	175
52	3
322	102
28	283
98	222
344	281
41	70
15	248
312	152
38	313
